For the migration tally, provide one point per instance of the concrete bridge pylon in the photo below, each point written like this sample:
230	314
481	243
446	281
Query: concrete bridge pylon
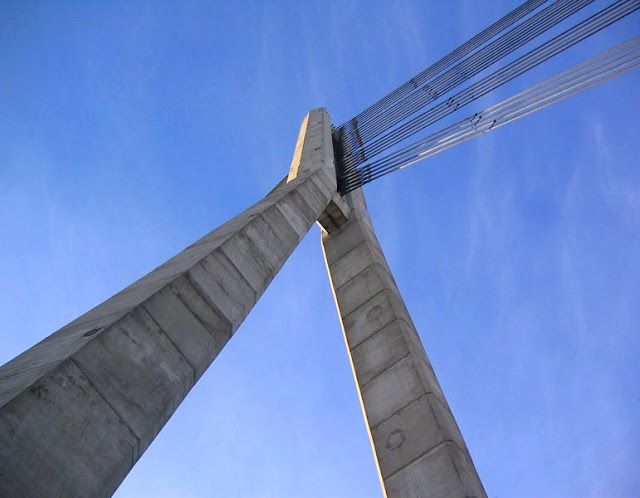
78	409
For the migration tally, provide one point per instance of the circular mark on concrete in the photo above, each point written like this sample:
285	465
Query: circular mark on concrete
374	313
396	439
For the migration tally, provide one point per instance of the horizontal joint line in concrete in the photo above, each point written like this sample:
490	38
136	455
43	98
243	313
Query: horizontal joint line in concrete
390	366
446	442
223	255
309	175
414	400
375	263
358	307
193	368
284	215
164	332
352	348
362	242
95	388
207	300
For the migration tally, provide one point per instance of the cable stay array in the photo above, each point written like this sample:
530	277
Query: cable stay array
360	142
599	69
463	50
474	64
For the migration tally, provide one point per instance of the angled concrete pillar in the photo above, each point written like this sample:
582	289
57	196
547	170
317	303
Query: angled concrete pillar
79	408
418	448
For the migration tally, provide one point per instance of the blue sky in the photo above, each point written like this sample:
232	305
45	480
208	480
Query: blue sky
130	129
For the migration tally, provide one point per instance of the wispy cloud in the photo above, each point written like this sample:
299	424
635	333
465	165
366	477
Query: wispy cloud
622	192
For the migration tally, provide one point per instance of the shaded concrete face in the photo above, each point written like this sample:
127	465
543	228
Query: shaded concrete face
78	409
418	447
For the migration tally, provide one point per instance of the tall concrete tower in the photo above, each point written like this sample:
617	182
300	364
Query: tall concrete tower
418	447
78	409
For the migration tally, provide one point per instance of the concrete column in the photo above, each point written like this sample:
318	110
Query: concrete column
417	445
79	408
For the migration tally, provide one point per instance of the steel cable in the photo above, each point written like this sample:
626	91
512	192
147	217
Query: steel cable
603	67
474	64
464	49
492	112
536	56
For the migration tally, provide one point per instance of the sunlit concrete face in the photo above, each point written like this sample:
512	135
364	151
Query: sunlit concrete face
417	445
78	409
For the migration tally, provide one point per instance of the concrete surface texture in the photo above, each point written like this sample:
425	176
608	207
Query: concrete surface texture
418	447
78	409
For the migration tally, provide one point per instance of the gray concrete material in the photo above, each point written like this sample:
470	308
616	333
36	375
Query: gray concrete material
440	473
379	352
282	236
312	194
320	156
325	180
343	241
418	447
205	310
446	420
48	449
79	408
314	148
379	311
29	366
391	390
139	372
335	215
191	337
396	450
355	261
217	278
425	368
263	234
355	292
297	150
249	255
297	211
